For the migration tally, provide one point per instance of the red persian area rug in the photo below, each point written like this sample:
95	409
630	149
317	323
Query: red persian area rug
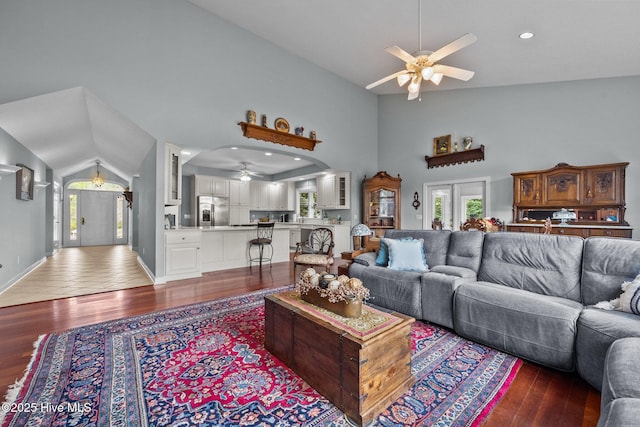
205	365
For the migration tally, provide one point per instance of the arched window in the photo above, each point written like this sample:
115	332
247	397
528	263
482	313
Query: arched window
88	185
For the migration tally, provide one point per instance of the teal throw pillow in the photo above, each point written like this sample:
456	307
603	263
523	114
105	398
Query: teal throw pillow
407	255
382	259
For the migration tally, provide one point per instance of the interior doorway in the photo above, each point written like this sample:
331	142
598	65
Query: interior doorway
94	218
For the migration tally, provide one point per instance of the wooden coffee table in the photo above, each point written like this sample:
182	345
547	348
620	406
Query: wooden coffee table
361	377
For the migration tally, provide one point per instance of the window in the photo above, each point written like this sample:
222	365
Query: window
120	217
307	204
88	185
73	217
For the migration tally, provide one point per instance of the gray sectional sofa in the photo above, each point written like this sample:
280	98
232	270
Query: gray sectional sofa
530	295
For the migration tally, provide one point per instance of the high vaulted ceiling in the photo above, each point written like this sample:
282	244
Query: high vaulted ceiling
574	39
73	128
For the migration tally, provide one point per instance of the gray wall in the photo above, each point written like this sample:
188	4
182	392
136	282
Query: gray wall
23	236
523	128
183	75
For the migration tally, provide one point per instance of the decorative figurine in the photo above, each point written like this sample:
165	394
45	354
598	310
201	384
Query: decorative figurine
312	134
299	131
264	120
251	117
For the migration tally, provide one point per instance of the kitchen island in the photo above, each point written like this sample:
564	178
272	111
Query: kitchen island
191	251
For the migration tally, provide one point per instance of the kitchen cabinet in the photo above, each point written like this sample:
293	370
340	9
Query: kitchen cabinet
271	196
260	195
334	191
238	215
239	192
205	185
294	236
173	175
381	196
182	254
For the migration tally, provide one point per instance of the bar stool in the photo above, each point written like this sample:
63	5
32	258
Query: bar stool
263	238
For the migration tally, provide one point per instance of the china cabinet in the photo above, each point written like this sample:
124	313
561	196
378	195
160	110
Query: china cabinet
381	195
593	197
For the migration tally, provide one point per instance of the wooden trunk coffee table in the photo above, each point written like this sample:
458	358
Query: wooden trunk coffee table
360	375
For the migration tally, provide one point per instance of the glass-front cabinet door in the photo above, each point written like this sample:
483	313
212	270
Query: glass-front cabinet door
382	203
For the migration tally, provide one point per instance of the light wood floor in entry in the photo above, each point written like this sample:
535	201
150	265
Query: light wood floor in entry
78	271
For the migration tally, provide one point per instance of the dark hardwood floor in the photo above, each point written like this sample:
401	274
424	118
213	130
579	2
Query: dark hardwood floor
537	397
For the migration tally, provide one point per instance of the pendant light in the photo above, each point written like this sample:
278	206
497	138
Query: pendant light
98	180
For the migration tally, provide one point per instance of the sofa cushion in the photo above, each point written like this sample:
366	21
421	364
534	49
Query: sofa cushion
395	290
465	250
620	398
597	330
436	243
407	255
607	263
536	327
620	413
540	263
367	258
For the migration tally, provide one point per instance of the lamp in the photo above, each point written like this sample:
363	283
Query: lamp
97	180
357	231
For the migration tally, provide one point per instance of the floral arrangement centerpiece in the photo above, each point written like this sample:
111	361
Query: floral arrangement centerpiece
341	295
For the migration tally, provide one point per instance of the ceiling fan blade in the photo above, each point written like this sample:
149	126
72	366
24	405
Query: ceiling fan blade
401	54
453	47
385	79
454	72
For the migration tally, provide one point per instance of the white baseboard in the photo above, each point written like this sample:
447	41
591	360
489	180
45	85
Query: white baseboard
148	271
19	276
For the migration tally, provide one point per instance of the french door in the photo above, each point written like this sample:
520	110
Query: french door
454	202
94	218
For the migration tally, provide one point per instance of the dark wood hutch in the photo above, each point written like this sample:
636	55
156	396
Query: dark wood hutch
381	196
594	197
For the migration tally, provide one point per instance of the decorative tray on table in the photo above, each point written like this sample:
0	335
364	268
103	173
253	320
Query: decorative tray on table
341	295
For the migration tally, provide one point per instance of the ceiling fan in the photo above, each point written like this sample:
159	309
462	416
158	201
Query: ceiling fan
246	174
422	64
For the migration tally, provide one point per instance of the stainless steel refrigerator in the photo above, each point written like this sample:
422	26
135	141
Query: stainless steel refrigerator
213	211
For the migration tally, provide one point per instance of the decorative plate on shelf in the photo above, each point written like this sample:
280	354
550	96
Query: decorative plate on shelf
282	125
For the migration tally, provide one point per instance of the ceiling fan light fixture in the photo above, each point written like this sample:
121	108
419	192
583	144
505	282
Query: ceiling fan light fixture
403	79
414	86
427	73
245	177
436	78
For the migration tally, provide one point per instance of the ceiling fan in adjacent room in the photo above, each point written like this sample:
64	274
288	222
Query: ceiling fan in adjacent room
246	174
422	65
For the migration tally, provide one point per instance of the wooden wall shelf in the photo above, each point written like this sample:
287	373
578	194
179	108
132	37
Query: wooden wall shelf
275	136
466	156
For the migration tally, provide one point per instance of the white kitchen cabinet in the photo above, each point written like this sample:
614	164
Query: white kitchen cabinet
239	193
173	175
259	196
238	215
334	191
211	186
182	254
294	236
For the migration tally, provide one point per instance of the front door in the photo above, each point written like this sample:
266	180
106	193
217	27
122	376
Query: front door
95	218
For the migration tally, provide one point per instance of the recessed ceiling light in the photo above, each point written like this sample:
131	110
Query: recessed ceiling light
234	148
267	154
296	158
526	35
186	153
